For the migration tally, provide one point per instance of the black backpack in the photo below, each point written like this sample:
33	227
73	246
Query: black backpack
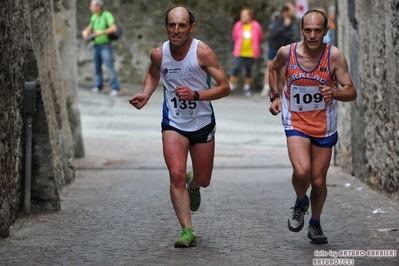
115	36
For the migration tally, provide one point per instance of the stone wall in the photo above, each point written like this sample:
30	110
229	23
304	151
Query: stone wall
53	155
143	31
65	28
29	53
347	42
369	34
11	116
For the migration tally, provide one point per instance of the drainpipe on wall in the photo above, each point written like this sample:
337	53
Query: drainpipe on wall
29	106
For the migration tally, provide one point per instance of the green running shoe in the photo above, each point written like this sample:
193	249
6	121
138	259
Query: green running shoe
187	238
195	196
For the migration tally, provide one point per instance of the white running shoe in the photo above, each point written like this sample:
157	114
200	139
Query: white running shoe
316	235
265	91
248	93
113	93
95	90
296	221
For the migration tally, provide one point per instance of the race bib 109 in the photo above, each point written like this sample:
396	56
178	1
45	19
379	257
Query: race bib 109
306	98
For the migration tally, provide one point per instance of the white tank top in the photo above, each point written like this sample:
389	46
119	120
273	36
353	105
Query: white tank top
185	115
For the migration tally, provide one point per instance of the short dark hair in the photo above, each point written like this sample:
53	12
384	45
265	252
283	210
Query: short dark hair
191	17
325	23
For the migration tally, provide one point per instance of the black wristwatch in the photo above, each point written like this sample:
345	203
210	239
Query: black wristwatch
274	95
196	95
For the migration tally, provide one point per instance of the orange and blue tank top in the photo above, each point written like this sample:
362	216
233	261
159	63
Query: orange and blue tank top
304	108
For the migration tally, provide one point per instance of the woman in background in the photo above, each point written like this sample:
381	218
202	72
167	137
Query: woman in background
247	36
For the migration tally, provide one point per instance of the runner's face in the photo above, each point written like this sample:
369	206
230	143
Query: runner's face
178	27
313	31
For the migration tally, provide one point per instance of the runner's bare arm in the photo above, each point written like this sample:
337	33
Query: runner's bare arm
209	62
151	80
276	65
274	74
340	68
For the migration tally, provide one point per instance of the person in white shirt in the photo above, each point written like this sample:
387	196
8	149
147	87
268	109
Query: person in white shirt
185	66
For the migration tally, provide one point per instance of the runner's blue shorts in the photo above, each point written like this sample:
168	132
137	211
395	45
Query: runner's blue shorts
326	142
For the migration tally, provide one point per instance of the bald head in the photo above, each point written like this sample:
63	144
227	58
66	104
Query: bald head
315	12
178	8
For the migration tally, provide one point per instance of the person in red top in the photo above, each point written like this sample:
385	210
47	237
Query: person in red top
308	106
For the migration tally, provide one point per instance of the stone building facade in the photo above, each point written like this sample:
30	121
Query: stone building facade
29	53
368	33
11	114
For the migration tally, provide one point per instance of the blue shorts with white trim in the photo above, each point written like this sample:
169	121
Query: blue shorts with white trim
326	142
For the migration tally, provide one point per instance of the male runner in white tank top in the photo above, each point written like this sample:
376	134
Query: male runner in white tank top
185	66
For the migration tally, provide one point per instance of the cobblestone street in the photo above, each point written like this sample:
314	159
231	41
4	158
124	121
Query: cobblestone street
118	210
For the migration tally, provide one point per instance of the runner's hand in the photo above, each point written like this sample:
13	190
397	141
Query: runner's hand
275	107
138	101
327	93
184	93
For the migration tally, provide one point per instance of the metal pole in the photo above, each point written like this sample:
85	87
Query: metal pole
29	106
28	163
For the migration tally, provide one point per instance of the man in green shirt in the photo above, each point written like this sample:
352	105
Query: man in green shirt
102	23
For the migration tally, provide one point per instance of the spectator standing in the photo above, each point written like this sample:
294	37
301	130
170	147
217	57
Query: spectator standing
247	36
282	33
102	23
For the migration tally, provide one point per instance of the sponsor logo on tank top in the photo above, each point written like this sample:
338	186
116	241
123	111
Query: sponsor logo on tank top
310	76
189	71
172	70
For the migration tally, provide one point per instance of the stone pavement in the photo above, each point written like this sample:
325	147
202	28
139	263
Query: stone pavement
118	210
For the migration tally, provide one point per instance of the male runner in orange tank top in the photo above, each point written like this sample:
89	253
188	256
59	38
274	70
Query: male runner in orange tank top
308	106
